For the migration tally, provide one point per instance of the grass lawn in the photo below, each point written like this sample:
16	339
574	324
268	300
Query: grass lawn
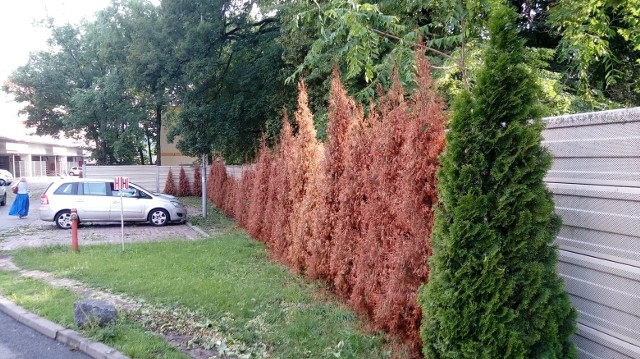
228	279
56	305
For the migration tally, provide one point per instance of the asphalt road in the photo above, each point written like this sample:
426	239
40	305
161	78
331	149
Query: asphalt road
20	342
16	340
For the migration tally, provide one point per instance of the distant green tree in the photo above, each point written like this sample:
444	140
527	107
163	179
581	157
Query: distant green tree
151	66
600	40
230	76
79	88
368	39
211	72
371	38
494	290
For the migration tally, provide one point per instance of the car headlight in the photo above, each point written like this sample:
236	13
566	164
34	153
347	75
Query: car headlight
177	204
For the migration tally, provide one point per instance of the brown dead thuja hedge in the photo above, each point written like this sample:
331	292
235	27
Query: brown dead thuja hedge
184	188
355	211
196	190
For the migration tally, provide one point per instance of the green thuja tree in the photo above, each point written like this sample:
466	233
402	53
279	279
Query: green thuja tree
494	290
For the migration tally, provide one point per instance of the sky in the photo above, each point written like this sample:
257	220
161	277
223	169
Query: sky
18	37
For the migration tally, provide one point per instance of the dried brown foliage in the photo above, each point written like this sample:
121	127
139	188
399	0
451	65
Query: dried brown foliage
343	111
196	189
279	188
216	186
170	184
354	192
231	189
259	192
184	188
356	211
268	217
303	189
413	208
242	197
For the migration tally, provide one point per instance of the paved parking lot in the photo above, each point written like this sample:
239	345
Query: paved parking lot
32	232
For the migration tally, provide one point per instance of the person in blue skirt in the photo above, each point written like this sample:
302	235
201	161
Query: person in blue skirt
20	206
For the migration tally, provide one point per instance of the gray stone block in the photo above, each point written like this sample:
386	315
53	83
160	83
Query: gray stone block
93	312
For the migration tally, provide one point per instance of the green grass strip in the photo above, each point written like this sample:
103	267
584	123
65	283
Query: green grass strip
215	221
230	280
56	305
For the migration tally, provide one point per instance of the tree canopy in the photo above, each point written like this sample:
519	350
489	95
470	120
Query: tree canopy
212	70
216	74
601	42
232	78
81	89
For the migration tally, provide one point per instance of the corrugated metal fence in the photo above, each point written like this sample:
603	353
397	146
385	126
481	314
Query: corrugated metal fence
153	178
595	181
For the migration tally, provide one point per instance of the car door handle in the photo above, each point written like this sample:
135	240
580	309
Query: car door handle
116	202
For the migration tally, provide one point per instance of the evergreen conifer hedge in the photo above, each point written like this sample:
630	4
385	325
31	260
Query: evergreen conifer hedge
494	290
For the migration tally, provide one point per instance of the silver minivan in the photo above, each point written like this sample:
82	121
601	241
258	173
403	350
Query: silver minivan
96	200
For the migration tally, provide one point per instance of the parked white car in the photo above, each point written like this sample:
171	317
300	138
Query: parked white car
75	171
5	178
3	195
96	200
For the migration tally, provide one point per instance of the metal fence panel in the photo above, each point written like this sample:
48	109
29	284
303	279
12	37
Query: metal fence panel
153	178
595	181
610	171
590	345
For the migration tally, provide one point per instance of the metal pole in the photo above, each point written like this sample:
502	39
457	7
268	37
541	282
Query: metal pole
204	186
122	219
157	179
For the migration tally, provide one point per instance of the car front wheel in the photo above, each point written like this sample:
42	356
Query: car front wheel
4	199
158	217
63	219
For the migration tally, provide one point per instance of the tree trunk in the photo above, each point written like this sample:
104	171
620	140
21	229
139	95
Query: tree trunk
148	135
159	125
103	153
141	154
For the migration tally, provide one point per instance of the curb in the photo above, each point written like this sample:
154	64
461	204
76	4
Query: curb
198	229
59	333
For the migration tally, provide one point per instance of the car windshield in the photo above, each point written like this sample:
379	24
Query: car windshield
142	188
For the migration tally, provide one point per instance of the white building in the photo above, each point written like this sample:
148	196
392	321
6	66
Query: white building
38	157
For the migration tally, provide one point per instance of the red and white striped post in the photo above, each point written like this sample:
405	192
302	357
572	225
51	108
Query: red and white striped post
74	230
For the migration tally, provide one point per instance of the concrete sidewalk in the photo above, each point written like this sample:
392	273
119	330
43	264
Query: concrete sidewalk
59	333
